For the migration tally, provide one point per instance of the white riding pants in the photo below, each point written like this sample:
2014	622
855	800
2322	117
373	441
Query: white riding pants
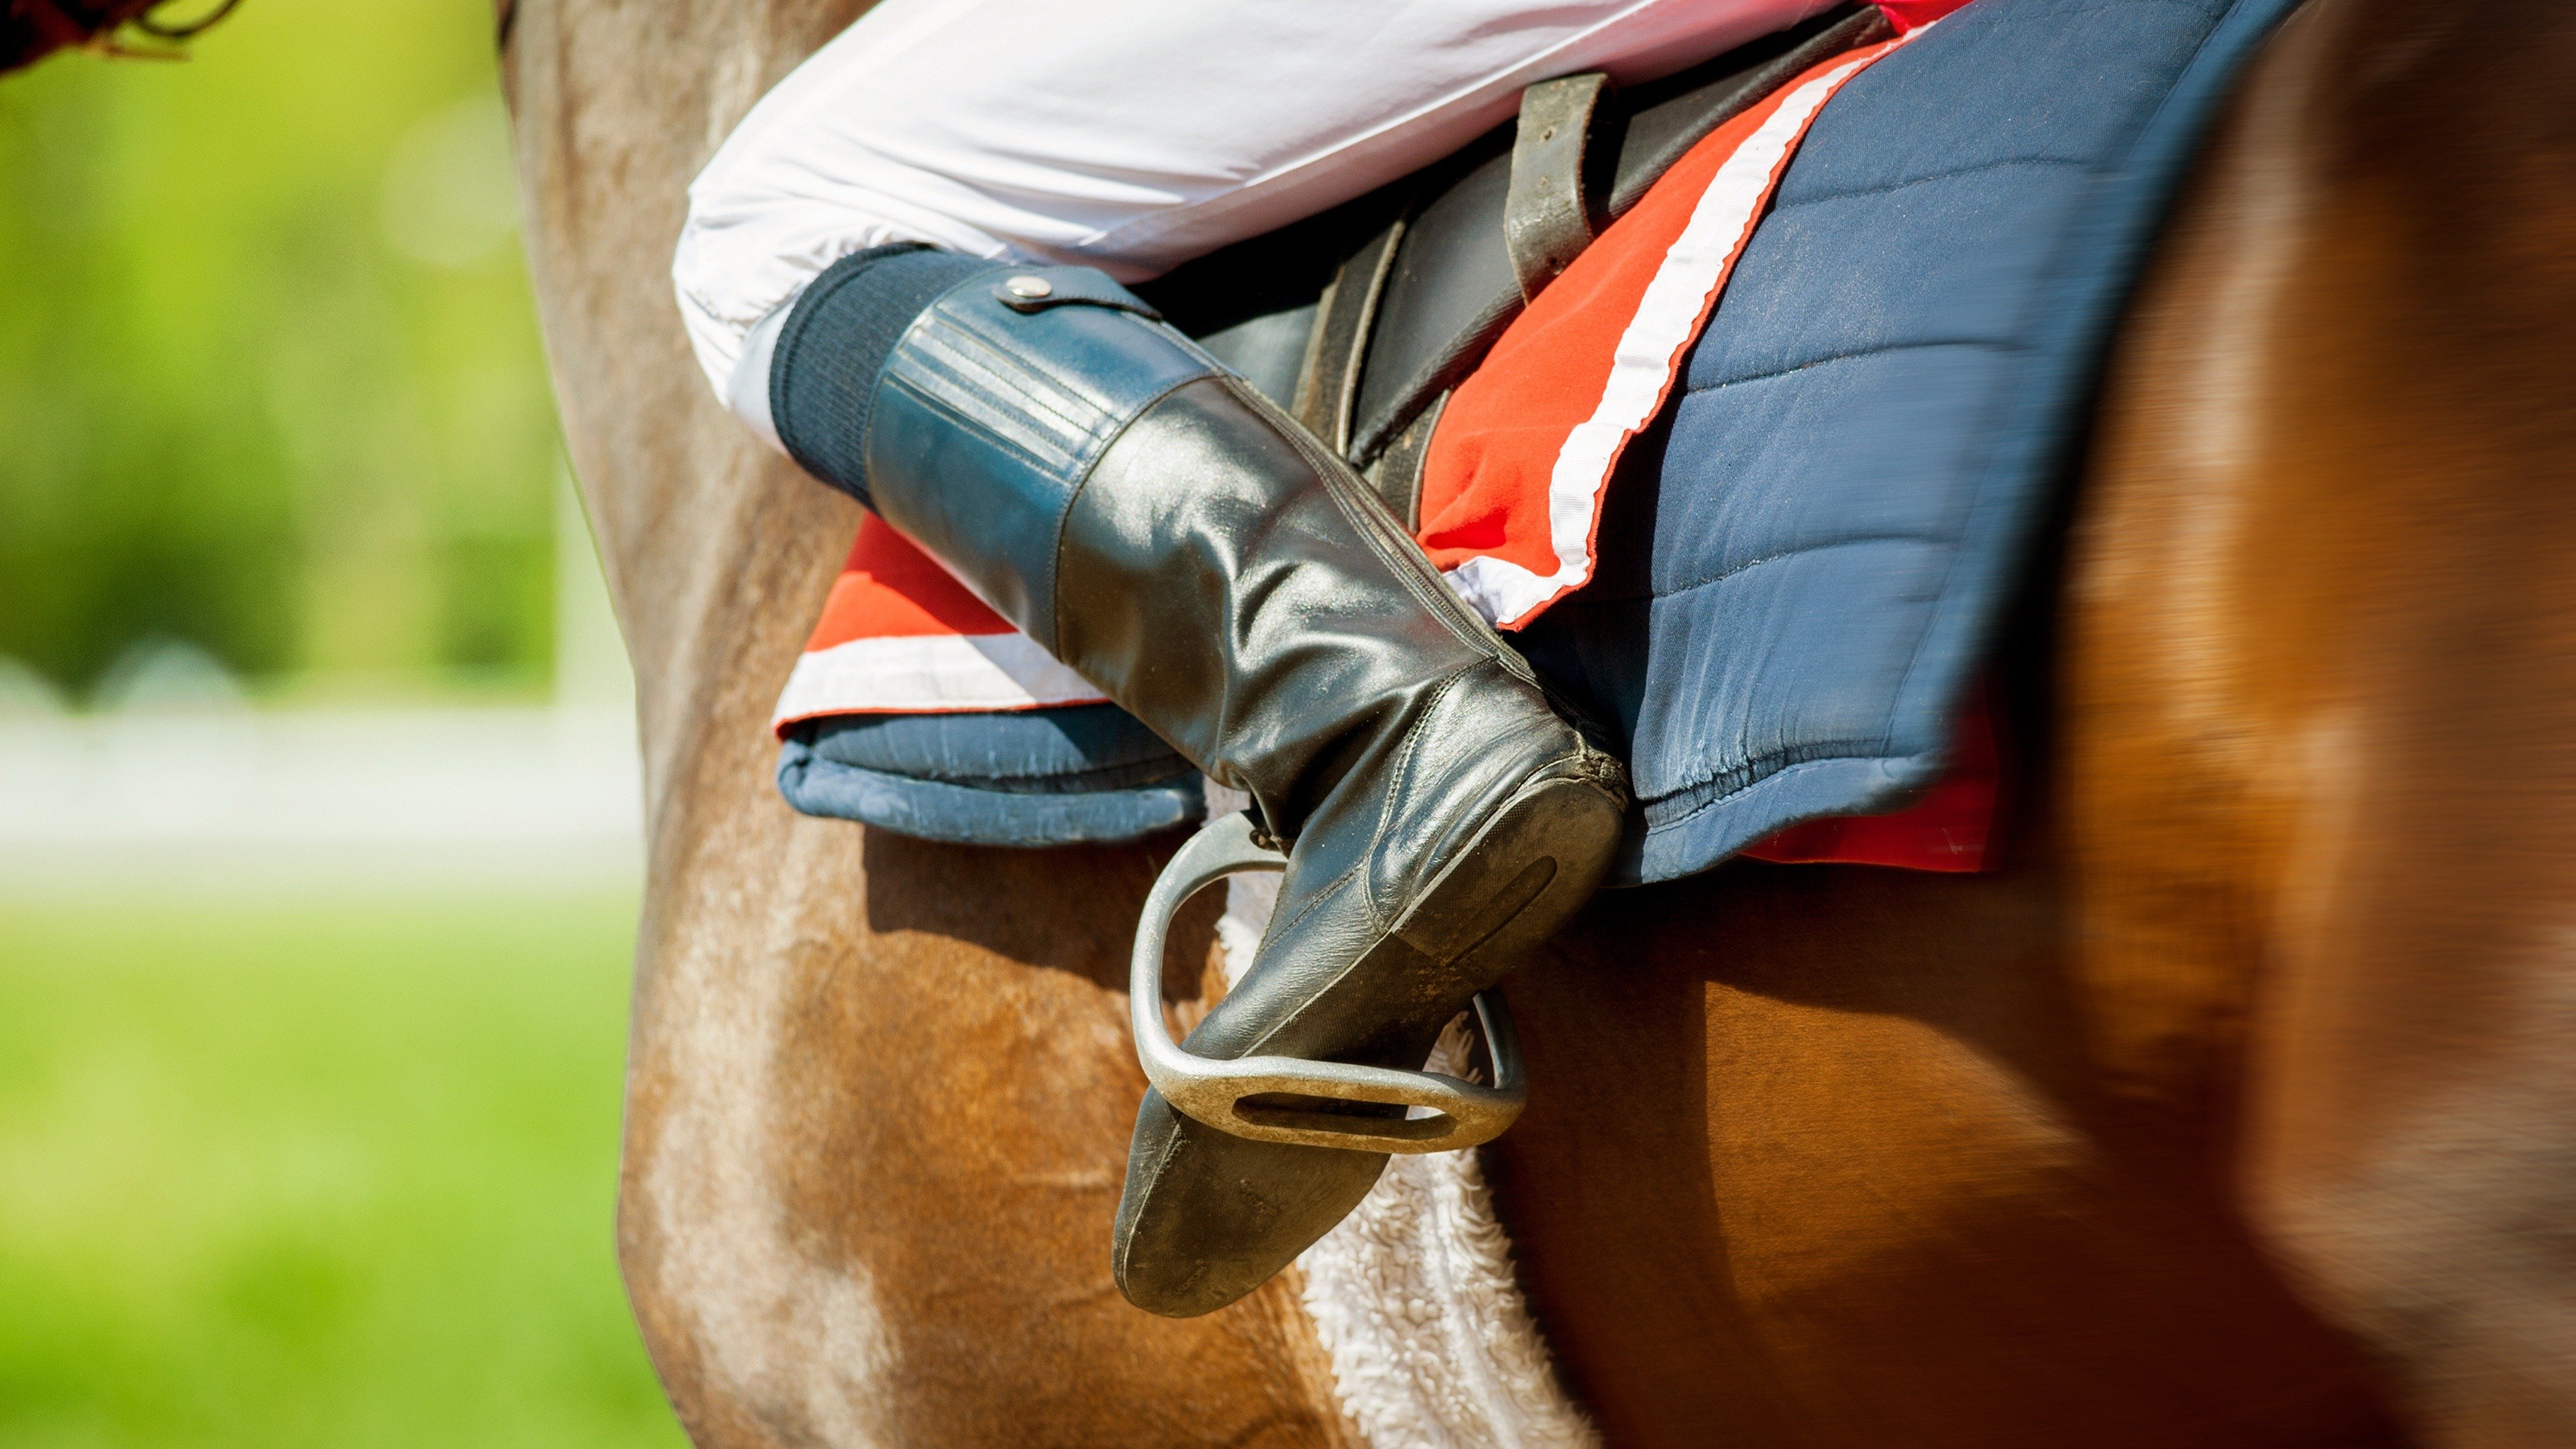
1129	135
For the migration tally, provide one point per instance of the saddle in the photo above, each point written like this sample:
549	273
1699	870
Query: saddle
1805	561
1358	321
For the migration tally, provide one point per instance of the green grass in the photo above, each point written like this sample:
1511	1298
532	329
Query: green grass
284	1176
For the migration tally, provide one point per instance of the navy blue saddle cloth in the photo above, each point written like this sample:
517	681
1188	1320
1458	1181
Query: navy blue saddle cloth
1087	773
1805	563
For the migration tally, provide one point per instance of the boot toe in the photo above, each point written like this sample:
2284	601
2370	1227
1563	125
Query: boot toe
1208	1217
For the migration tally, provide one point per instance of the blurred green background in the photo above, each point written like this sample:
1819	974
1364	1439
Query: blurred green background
315	1175
294	1157
269	376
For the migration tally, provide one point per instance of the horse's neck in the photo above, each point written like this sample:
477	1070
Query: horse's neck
877	1088
716	551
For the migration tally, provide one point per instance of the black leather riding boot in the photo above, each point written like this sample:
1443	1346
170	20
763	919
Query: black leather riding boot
1172	537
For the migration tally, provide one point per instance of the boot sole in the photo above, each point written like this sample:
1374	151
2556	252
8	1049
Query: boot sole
1479	913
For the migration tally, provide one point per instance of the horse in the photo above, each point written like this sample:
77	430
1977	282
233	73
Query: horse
2228	1111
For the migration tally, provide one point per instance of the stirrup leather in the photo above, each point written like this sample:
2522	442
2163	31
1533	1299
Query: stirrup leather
1223	1094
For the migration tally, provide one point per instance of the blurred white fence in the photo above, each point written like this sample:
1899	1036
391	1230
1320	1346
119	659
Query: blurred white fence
173	781
242	799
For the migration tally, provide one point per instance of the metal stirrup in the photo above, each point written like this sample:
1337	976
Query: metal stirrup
1214	1092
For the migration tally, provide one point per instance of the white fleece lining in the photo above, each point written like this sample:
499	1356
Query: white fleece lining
1413	1295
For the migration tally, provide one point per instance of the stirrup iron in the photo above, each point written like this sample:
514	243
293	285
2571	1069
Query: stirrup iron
1222	1094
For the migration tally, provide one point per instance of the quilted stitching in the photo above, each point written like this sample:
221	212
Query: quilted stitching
1808	557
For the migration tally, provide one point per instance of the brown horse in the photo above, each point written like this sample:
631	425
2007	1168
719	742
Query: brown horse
2234	1112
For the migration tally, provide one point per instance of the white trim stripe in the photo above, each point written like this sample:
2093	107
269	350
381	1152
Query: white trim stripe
929	674
1668	317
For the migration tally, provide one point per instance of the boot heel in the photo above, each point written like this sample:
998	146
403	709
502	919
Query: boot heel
1527	872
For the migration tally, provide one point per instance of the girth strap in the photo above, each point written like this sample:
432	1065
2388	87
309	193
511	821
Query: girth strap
1547	219
1418	278
1328	382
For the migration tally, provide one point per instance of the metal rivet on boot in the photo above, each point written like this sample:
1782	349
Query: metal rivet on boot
1031	287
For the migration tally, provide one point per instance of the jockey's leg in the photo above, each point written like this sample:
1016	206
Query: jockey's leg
1199	558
